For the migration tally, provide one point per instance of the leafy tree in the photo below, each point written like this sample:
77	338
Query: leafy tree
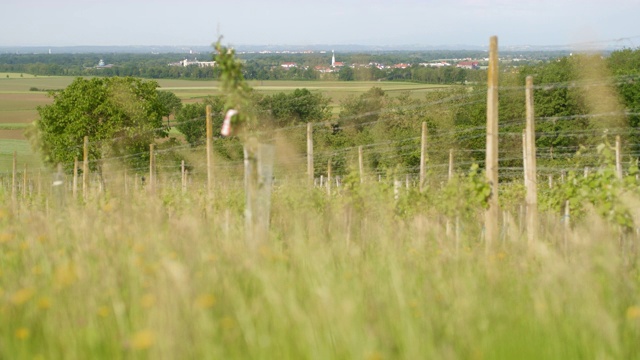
191	119
346	74
300	106
364	108
171	104
121	116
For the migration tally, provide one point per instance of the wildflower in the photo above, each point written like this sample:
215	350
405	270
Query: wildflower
5	237
65	275
44	303
22	333
227	323
103	311
143	339
633	312
22	296
205	301
148	300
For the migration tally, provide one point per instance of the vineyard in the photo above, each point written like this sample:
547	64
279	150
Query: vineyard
366	237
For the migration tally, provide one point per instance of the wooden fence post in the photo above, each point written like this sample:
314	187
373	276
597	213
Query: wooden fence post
531	167
329	176
209	151
24	182
152	165
183	177
423	155
14	183
85	167
450	175
618	158
524	155
74	188
310	174
491	162
360	164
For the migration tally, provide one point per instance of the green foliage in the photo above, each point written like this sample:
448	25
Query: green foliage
464	196
191	121
171	104
300	106
121	116
600	190
363	108
235	87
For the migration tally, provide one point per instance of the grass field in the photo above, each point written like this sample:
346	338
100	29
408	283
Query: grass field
129	275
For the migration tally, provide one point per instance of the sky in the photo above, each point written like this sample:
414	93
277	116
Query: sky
332	22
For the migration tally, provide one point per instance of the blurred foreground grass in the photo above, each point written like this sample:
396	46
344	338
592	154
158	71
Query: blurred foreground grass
170	277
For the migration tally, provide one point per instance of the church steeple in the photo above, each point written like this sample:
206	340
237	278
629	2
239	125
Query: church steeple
333	58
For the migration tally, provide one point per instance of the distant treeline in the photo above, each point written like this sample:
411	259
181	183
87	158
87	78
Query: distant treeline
259	66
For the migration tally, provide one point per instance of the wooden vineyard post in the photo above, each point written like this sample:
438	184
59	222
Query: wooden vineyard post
618	158
183	177
24	182
14	184
450	175
530	167
423	155
524	155
491	162
360	164
74	188
258	176
209	151
152	165
329	176
310	153
85	167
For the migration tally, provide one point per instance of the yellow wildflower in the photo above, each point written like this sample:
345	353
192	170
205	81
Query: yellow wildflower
205	301
143	339
65	275
227	323
5	237
633	312
148	300
22	333
103	311
44	303
22	296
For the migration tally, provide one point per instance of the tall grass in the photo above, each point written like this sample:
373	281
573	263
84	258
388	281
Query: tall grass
346	276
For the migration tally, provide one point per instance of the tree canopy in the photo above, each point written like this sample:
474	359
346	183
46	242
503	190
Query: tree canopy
300	106
192	123
121	116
